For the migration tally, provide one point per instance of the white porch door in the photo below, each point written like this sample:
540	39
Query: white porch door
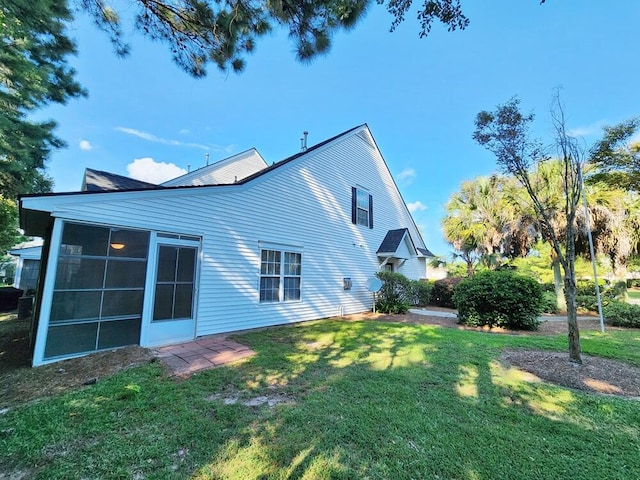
171	300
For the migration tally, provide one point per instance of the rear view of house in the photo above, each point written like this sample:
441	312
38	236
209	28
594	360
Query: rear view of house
235	245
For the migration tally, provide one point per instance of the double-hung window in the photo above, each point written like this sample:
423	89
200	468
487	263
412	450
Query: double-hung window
280	276
361	207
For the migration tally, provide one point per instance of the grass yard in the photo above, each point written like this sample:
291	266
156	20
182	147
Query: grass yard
633	294
334	399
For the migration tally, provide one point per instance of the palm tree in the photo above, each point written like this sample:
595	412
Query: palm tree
478	218
493	216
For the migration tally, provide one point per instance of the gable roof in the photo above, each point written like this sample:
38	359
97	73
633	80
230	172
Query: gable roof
392	241
36	218
226	171
99	181
394	238
299	154
106	182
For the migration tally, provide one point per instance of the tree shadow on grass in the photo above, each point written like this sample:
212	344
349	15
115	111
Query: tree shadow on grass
408	402
365	399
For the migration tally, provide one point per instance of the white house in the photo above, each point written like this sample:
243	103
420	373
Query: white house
27	265
232	246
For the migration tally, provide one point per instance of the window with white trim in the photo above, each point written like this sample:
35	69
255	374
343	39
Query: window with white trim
280	276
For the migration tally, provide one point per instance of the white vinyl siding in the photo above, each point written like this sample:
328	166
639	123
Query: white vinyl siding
229	170
236	223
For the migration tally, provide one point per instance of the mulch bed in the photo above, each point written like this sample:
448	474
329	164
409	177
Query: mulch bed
595	374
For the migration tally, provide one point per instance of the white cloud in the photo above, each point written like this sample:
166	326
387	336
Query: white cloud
152	138
407	175
148	170
184	131
587	130
416	206
85	145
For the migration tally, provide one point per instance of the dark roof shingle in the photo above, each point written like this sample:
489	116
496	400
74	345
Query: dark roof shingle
99	181
392	240
425	252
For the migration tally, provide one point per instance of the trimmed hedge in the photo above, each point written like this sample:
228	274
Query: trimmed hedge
621	314
586	293
633	283
499	299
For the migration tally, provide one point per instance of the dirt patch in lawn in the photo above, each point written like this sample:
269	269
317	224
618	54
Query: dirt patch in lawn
19	383
596	374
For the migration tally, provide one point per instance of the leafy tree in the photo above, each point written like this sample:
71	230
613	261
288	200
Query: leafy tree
614	222
201	31
505	133
475	216
616	159
33	73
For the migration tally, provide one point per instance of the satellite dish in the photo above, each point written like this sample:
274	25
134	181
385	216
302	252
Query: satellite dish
374	284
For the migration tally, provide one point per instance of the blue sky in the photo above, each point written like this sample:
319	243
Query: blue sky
418	96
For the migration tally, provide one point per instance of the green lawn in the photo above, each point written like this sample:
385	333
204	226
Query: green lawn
358	400
634	294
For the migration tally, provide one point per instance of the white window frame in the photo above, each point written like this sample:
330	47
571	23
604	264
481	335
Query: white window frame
279	272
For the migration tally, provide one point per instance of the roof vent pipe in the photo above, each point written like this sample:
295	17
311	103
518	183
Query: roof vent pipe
206	155
303	141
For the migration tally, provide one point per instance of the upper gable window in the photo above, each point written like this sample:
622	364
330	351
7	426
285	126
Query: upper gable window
361	207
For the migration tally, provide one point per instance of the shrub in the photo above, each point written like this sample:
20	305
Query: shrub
586	293
633	283
621	314
420	293
589	302
499	298
619	289
395	294
442	291
549	302
587	287
548	287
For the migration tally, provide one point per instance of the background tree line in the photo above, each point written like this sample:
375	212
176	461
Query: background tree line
538	198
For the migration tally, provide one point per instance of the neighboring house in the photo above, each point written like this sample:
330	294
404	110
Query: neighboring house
27	265
232	246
